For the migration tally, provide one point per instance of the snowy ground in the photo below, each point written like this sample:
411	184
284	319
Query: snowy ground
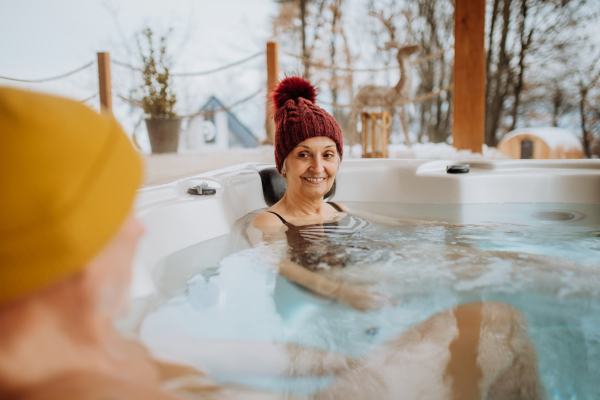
429	151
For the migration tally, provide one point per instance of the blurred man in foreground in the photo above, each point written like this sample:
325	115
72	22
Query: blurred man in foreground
67	237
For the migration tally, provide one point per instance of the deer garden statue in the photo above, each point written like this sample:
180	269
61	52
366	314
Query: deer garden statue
386	98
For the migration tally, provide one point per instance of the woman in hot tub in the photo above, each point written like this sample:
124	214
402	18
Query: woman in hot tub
322	237
308	152
461	344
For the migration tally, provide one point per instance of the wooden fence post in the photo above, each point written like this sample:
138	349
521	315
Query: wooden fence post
272	79
468	127
104	82
384	133
365	135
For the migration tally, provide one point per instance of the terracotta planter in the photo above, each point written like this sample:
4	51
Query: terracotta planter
163	134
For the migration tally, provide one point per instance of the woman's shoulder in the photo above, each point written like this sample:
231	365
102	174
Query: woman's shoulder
338	206
267	219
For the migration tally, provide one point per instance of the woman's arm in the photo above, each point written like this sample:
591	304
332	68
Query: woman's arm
381	219
356	297
266	227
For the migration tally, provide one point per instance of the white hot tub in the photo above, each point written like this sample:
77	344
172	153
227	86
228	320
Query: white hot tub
186	235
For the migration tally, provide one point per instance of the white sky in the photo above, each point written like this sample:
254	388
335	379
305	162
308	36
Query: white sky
41	38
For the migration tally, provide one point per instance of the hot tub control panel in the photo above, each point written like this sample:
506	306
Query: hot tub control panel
202	190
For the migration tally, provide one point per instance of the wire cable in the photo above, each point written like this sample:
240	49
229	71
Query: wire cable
237	103
53	78
122	64
88	99
207	72
130	101
210	71
206	112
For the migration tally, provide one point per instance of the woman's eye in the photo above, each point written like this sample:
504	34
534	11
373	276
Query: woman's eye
328	155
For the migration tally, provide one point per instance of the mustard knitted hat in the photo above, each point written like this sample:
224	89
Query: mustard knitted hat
68	177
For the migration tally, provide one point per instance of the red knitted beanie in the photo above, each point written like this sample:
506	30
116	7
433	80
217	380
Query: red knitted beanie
297	118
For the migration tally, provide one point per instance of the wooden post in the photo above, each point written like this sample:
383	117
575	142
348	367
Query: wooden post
104	82
373	135
386	123
365	134
272	79
382	138
468	127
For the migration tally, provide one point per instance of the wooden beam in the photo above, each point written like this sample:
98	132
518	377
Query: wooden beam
365	134
272	79
104	82
468	127
386	123
382	138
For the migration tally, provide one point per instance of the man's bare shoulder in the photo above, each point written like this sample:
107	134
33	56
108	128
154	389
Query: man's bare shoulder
90	386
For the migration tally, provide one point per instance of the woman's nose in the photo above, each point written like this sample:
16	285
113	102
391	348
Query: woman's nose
317	165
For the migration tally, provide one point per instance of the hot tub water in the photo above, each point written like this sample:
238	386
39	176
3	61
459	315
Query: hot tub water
543	259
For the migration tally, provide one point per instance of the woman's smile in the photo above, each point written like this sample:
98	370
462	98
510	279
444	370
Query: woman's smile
314	181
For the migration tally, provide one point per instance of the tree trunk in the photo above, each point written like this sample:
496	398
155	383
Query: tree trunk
426	73
338	113
439	132
448	120
500	84
557	102
336	10
488	60
305	54
583	91
525	42
431	43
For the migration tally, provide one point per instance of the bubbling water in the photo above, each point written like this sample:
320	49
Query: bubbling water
542	259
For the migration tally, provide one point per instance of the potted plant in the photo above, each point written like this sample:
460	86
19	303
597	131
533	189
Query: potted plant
157	97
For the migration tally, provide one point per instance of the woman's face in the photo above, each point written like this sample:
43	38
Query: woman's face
311	167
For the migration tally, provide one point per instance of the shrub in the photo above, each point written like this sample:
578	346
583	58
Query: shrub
157	97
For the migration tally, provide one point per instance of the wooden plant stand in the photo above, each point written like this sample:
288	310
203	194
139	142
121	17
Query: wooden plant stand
379	138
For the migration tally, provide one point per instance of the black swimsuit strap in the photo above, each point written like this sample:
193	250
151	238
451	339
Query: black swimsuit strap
334	205
280	217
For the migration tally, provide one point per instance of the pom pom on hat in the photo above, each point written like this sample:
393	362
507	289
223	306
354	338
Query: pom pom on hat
292	88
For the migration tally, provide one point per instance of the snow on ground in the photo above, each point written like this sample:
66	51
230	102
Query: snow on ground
429	151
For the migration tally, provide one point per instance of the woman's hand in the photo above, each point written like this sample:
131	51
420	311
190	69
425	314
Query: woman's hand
362	299
356	297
